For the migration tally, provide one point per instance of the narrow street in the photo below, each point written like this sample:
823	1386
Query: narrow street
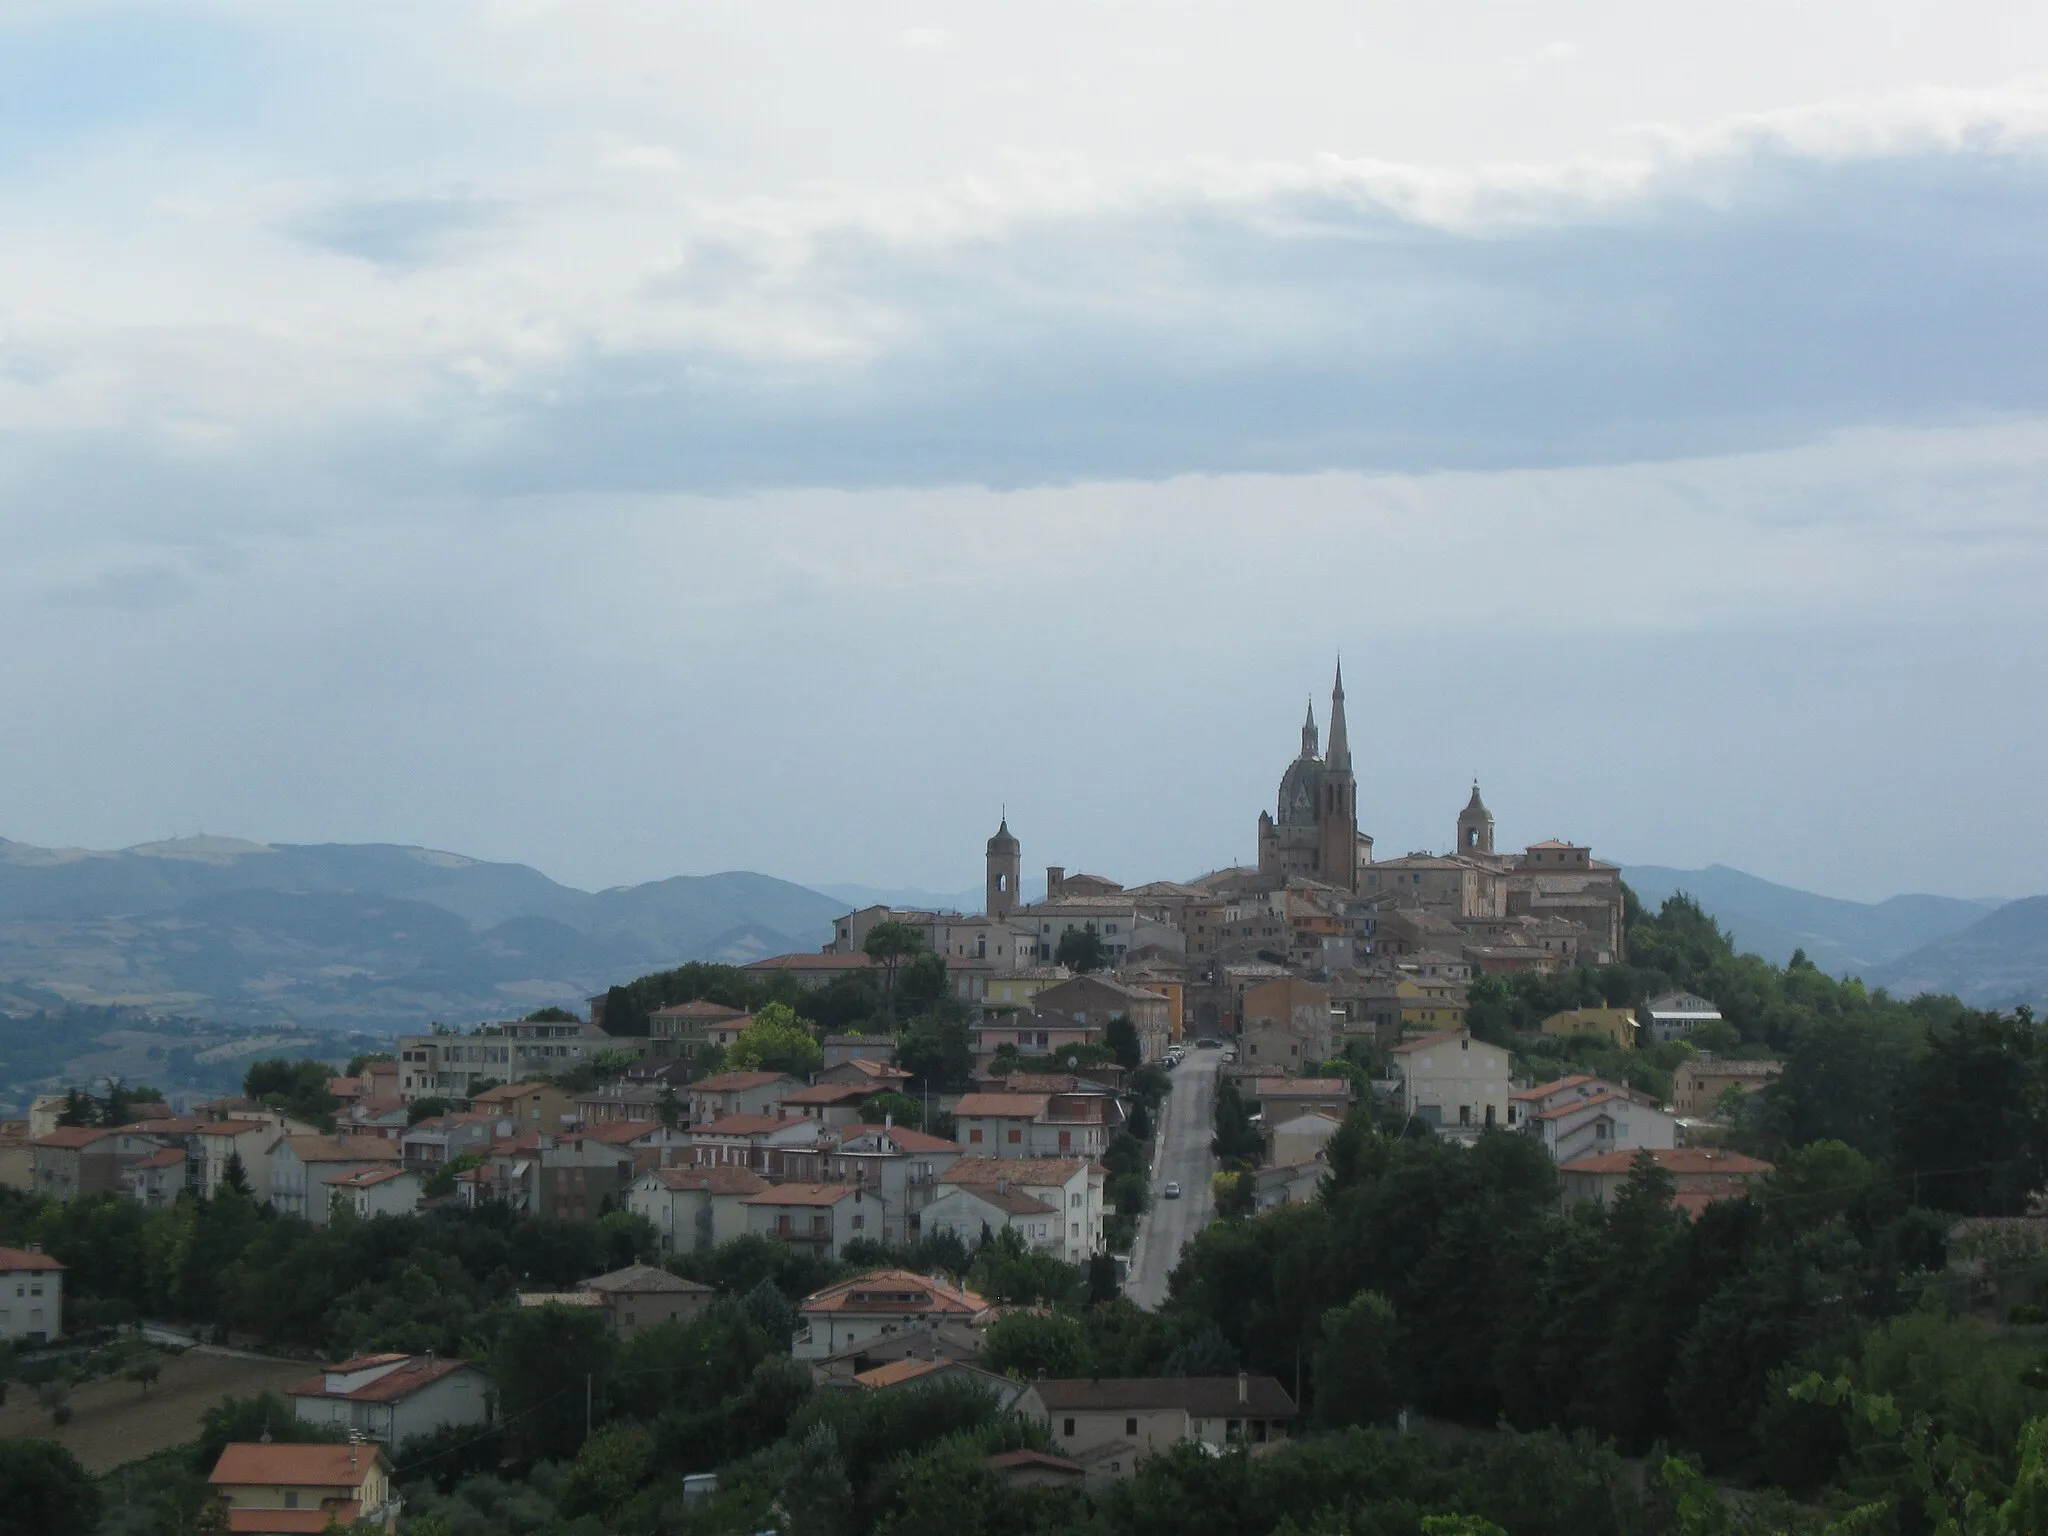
1183	1159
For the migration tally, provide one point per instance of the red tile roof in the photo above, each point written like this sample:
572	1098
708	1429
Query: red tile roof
819	961
698	1009
730	1082
1545	1090
12	1259
1015	1170
833	1093
904	1137
896	1372
418	1372
342	1149
895	1291
1427	1041
1020	1106
251	1464
1009	1461
802	1194
712	1181
74	1136
167	1157
742	1125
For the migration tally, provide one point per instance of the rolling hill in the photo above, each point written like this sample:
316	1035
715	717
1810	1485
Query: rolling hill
1997	962
359	935
1851	938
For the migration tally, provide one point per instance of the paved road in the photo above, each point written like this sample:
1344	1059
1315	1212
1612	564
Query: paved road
1184	1159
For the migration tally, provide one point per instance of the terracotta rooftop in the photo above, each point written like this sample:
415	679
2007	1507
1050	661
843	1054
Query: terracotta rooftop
896	1372
1014	1170
905	1138
167	1157
1545	1090
639	1279
1027	1460
816	960
731	1082
832	1093
1426	1041
1011	1201
248	1463
416	1372
1301	1087
13	1260
75	1136
744	1125
802	1194
365	1178
713	1181
698	1009
895	1291
342	1149
1025	1106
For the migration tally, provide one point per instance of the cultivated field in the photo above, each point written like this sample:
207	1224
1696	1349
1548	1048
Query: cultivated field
112	1422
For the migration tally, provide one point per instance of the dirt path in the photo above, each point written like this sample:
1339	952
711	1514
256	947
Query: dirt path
112	1422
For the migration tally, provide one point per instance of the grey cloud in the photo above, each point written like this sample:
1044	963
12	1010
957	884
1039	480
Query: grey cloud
1808	296
401	233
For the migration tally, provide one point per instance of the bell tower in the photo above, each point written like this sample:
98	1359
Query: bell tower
1475	825
1005	867
1337	806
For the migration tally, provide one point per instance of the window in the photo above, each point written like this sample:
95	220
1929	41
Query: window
859	1222
1070	1427
975	1134
1074	1201
1130	1426
291	1498
1016	1135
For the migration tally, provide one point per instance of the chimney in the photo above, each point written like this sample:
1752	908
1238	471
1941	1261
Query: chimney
1244	1387
35	1247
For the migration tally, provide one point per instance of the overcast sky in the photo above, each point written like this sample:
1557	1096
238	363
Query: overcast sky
656	438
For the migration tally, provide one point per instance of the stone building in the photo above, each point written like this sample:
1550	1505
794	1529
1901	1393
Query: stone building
1313	830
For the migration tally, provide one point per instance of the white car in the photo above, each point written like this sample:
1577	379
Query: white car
1171	1192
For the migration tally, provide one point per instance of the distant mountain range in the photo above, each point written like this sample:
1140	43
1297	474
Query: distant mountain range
382	937
359	935
1842	937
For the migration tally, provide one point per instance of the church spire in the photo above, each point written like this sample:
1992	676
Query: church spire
1309	744
1339	758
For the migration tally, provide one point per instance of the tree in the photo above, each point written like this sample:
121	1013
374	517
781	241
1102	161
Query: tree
145	1371
79	1109
234	1174
361	1062
889	945
1121	1036
1022	1344
546	1360
427	1108
609	1470
776	1041
937	1054
299	1088
900	1108
769	1310
551	1015
1081	950
923	984
1973	1116
44	1489
1357	1375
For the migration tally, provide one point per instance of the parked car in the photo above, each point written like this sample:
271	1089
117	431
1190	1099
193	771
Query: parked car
1172	1191
1206	1044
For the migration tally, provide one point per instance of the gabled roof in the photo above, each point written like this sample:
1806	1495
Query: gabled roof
896	1372
1011	1201
1042	1171
639	1279
739	1082
698	1009
618	1132
1202	1397
895	1291
249	1463
747	1125
906	1139
817	960
168	1125
802	1194
1022	1106
415	1373
1301	1087
1426	1041
13	1260
712	1181
1545	1090
505	1092
342	1149
1033	1461
828	1094
366	1178
72	1137
165	1157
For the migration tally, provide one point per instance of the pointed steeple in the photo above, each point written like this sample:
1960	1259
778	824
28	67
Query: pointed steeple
1475	803
1338	759
1309	742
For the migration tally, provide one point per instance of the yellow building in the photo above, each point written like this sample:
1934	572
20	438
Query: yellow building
1168	989
1617	1026
1020	989
279	1490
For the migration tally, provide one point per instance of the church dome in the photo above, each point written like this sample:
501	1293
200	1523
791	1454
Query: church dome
1300	788
1003	842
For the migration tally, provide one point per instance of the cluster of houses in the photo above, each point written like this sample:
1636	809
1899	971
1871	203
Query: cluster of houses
704	1160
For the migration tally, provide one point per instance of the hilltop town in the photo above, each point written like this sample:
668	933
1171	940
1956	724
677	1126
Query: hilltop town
1080	1200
